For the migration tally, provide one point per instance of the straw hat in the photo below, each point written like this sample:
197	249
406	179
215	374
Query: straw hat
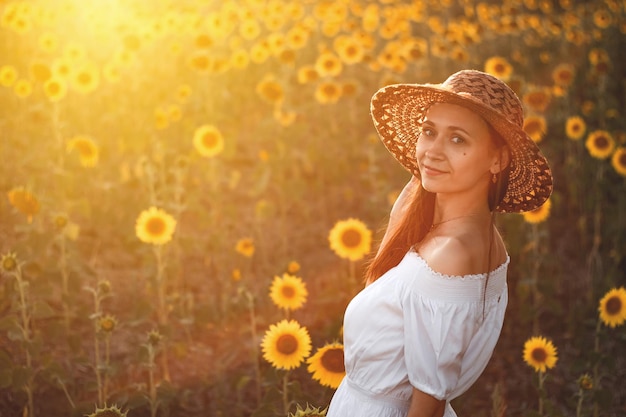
398	112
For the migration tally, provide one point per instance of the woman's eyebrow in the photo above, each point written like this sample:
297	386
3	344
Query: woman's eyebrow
430	123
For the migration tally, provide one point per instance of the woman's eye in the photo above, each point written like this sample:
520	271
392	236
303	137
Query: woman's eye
457	139
428	132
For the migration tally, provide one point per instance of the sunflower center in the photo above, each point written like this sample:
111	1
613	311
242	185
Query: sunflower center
84	148
287	344
351	238
84	78
613	306
155	226
209	140
602	142
539	355
332	360
622	160
288	291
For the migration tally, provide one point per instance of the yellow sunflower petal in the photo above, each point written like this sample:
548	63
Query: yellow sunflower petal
155	226
540	353
538	215
286	344
612	307
350	239
208	141
327	365
288	292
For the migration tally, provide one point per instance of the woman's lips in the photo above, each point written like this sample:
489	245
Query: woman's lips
430	171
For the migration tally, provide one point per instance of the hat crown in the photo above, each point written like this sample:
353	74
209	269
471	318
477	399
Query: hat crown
488	90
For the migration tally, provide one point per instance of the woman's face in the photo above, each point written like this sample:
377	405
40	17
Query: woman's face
455	153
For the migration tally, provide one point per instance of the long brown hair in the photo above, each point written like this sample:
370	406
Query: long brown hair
417	220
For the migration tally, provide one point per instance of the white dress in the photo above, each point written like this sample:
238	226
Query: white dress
414	327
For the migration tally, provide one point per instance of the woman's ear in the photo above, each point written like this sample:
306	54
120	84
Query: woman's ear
501	162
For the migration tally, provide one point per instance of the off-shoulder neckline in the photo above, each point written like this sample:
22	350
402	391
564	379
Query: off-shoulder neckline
496	270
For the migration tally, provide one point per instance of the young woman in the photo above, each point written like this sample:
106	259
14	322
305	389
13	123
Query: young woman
424	327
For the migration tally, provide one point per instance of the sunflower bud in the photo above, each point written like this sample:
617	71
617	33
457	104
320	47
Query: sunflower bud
154	338
104	287
309	411
585	382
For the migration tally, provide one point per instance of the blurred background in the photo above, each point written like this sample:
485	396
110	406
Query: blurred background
163	161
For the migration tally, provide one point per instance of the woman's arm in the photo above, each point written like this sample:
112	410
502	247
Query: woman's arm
425	405
398	209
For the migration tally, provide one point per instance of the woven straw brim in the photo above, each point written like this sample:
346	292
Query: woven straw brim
398	112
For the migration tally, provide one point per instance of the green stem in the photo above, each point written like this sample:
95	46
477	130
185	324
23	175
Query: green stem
97	314
162	307
152	387
541	378
107	361
286	393
535	278
579	406
255	348
65	283
26	335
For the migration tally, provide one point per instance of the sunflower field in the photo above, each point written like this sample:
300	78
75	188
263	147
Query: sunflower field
190	190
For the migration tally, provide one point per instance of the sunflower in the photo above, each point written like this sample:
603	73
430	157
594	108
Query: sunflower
286	344
600	144
249	29
612	307
563	75
618	160
327	92
539	214
327	64
270	90
349	49
259	52
23	88
48	42
55	89
9	263
86	78
585	382
537	99
111	411
8	75
293	267
602	18
235	275
535	127
245	247
327	365
24	201
540	353
499	67
208	141
87	150
575	127
296	37
309	411
307	74
40	72
288	292
106	324
200	62
350	239
155	226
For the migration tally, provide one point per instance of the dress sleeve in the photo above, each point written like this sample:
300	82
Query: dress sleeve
436	336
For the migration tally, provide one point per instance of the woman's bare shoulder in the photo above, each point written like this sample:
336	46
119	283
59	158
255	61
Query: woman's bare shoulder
460	254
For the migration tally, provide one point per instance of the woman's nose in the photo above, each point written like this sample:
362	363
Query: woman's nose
434	148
